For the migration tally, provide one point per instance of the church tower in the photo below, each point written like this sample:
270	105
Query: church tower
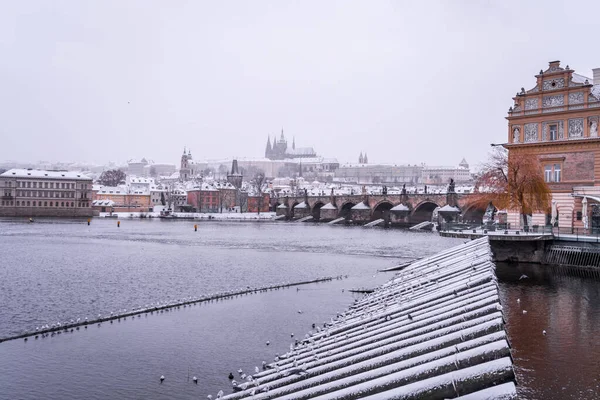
235	178
365	158
184	169
360	158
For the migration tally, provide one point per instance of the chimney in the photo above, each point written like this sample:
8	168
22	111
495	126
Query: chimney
596	76
554	65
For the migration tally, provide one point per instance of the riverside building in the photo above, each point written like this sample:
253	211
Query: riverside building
41	193
557	122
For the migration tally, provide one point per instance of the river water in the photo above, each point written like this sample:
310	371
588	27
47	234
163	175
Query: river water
61	270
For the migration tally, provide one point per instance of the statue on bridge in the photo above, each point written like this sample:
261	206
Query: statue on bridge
384	191
451	186
425	189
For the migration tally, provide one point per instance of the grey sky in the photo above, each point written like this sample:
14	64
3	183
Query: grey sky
406	81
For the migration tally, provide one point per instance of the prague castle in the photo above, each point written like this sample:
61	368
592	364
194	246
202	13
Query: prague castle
280	151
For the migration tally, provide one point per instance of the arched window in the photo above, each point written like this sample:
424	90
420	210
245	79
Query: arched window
51	204
18	203
33	204
62	204
27	203
72	204
45	204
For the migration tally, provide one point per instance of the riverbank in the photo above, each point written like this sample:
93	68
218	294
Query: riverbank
229	216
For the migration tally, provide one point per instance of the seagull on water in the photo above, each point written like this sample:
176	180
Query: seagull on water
162	378
523	277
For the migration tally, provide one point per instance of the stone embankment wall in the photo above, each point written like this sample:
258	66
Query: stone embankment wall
29	212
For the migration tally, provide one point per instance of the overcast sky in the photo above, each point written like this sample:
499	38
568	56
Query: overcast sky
405	81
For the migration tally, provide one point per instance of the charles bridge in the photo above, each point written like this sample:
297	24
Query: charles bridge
397	209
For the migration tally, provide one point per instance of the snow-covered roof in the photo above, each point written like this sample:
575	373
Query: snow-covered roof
432	331
301	151
282	206
328	206
137	179
45	174
595	91
113	190
361	206
448	208
580	78
300	205
399	207
103	203
138	161
205	187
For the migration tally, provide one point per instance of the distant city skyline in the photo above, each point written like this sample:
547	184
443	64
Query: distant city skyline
406	82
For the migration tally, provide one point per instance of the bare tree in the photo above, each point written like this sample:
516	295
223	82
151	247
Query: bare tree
258	182
112	177
513	181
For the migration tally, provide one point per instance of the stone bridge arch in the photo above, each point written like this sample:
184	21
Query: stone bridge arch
316	210
473	213
344	210
291	209
423	212
381	210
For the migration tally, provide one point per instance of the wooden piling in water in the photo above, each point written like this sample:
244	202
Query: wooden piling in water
202	299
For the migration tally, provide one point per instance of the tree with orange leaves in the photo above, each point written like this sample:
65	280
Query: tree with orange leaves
513	181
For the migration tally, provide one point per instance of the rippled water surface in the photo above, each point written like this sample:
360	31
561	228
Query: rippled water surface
60	270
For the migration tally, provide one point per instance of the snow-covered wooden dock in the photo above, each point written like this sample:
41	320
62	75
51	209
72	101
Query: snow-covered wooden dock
434	331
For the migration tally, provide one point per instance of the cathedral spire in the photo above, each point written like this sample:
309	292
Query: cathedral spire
294	143
268	149
365	158
360	158
282	138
